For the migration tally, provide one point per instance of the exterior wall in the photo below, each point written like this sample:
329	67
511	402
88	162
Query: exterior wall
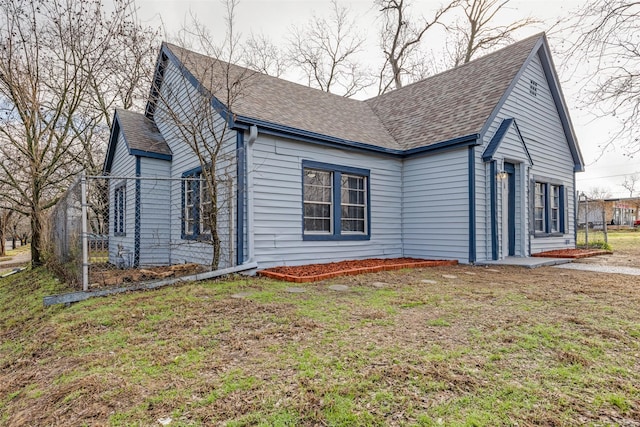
542	131
124	165
435	210
154	215
178	92
278	202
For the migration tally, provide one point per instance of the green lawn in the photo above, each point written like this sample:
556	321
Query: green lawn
504	346
13	252
628	241
618	240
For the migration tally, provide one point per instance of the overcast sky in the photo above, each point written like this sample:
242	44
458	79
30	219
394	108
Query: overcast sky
274	18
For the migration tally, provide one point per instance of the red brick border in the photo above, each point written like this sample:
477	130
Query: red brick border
354	271
572	253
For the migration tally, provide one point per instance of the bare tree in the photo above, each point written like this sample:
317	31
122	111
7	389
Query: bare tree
630	182
400	38
326	50
200	120
607	43
5	219
478	32
262	55
50	55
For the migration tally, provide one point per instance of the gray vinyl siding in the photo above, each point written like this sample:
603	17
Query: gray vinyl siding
435	210
277	178
154	215
180	93
124	165
539	123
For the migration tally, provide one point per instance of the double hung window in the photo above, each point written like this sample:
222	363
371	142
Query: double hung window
335	202
548	209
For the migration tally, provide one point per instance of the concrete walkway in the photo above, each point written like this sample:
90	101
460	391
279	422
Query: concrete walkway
530	262
18	260
599	268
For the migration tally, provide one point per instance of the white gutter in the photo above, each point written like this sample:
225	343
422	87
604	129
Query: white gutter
253	135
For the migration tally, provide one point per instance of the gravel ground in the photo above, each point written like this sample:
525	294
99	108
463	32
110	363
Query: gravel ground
601	268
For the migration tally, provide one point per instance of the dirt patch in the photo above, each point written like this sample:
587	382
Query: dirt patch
572	253
317	272
105	275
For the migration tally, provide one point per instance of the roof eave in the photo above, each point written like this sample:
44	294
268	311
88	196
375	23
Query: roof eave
113	141
243	122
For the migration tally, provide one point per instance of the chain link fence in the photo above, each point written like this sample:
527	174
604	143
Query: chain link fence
592	223
113	230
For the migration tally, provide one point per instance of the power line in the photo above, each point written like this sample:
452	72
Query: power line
605	176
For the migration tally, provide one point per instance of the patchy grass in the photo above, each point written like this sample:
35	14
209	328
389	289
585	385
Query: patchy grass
495	346
13	252
625	240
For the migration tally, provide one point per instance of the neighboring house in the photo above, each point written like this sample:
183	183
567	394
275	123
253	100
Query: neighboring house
476	163
624	211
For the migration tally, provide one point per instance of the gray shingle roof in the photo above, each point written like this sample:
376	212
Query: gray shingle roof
290	104
452	104
141	133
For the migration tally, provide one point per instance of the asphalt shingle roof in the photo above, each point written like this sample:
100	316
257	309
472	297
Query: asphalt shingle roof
451	104
141	133
288	104
454	103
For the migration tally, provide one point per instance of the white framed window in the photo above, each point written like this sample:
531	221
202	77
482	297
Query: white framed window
318	201
554	199
353	204
539	209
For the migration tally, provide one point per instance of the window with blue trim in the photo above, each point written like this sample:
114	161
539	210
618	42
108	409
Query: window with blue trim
549	215
335	202
196	205
119	210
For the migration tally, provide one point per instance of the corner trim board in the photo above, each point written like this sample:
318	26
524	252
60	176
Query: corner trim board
241	192
136	238
472	205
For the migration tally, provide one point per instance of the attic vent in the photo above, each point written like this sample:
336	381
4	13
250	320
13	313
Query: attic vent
533	88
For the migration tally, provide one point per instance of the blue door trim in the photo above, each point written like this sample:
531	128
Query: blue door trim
494	217
510	169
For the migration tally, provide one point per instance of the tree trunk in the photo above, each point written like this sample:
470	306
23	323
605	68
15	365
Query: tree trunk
3	249
36	237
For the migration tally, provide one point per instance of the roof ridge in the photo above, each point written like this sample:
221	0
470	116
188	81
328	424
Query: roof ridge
470	63
263	75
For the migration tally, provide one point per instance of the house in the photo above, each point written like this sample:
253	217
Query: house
476	163
619	212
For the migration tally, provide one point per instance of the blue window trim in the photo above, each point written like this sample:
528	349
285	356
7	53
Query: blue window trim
119	217
562	221
196	234
337	171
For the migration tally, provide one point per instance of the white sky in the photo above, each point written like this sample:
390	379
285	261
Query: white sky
274	18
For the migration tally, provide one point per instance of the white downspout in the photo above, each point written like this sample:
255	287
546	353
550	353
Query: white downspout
253	135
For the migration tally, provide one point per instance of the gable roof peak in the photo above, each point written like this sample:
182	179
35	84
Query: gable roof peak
456	102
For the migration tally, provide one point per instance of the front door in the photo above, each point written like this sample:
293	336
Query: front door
509	210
